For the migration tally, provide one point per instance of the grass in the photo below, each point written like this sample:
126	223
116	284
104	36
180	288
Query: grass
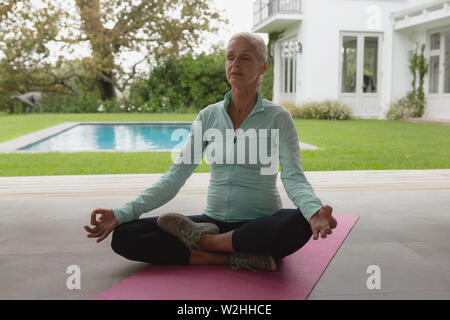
349	145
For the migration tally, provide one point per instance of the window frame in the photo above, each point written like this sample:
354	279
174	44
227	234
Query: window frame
288	84
441	54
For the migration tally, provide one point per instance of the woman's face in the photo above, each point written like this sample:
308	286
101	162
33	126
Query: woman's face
242	67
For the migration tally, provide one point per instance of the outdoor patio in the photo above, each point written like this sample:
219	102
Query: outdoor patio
403	228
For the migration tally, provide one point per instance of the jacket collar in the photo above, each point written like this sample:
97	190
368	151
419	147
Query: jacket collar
258	106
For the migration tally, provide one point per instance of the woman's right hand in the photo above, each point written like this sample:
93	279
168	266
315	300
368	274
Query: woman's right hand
322	222
103	226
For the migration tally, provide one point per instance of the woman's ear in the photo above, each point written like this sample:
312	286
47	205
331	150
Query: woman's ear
265	67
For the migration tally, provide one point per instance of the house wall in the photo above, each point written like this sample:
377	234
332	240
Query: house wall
401	79
319	32
438	105
318	71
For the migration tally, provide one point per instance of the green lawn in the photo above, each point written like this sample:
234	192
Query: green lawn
349	145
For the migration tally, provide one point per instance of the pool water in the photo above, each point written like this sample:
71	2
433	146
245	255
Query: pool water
119	137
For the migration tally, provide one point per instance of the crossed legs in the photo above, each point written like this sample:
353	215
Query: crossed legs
215	249
279	235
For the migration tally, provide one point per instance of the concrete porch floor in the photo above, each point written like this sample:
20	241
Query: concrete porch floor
404	228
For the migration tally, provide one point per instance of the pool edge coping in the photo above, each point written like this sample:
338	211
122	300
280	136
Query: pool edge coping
13	145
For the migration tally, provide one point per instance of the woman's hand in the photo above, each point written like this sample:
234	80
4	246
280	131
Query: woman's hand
103	226
322	222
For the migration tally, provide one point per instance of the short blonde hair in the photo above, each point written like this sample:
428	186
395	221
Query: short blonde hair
259	45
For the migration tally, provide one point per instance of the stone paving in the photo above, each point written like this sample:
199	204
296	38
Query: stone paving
404	228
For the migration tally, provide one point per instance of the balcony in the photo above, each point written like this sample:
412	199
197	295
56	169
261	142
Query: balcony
275	15
437	11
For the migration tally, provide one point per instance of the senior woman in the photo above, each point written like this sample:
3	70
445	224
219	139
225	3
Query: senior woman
244	224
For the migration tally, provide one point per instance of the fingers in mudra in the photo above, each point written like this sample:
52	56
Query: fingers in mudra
326	229
323	231
323	223
94	214
103	226
103	236
327	211
93	232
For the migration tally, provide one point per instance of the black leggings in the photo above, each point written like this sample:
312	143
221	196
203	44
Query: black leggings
279	235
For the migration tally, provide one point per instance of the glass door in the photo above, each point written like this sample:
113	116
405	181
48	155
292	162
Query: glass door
360	72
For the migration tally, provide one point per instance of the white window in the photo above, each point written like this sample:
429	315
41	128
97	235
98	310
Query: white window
447	63
349	50
439	59
435	48
289	50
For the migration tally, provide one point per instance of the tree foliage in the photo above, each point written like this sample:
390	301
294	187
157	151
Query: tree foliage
184	84
111	29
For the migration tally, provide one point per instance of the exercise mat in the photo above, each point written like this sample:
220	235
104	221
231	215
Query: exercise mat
294	279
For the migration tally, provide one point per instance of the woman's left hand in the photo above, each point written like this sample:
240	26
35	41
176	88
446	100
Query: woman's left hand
322	222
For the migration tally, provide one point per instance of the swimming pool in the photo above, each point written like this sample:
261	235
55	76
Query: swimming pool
114	137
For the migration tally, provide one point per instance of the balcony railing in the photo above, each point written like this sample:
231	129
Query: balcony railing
263	9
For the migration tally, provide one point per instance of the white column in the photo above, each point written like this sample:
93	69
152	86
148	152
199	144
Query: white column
276	72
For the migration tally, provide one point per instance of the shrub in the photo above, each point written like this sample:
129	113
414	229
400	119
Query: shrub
408	106
111	106
85	102
183	85
325	110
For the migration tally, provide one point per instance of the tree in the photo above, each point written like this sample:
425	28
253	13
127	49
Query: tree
111	28
184	84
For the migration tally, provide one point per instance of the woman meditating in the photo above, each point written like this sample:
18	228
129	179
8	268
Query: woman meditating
244	224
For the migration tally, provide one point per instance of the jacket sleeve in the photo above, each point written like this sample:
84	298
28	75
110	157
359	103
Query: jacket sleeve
294	181
171	182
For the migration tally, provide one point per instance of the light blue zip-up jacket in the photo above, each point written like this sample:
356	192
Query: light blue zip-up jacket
237	191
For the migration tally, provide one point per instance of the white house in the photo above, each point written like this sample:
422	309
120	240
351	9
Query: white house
356	51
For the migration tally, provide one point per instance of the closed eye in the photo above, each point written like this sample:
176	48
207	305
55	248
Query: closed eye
245	58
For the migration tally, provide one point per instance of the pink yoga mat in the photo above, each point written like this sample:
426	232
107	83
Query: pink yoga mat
294	278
